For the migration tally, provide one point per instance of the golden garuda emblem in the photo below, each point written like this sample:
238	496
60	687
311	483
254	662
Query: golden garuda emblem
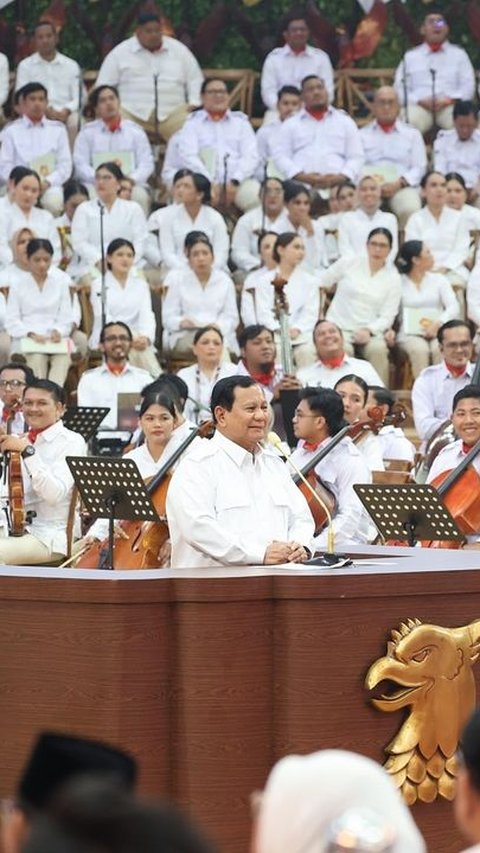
431	669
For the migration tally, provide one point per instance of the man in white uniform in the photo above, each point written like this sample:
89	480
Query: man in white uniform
232	502
14	378
288	103
458	150
270	215
333	362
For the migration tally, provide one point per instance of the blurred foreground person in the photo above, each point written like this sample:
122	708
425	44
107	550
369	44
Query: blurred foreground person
467	802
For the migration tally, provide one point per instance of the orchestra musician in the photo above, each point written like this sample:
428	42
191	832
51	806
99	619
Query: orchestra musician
395	444
258	354
14	377
354	392
232	502
318	417
47	482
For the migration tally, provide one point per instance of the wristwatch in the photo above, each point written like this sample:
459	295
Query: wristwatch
28	451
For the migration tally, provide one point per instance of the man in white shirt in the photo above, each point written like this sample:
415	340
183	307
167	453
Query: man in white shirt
39	143
290	64
232	502
333	362
14	378
355	225
48	483
433	391
61	76
113	138
432	76
467	800
258	354
271	215
394	442
320	145
101	386
288	103
221	145
151	70
458	150
395	155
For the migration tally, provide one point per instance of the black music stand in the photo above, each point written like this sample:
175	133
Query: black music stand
84	419
113	489
408	511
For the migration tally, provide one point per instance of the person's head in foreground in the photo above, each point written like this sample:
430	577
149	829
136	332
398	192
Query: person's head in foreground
467	801
308	797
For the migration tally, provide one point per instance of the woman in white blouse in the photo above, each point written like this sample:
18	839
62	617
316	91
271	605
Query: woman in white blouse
20	209
457	195
198	295
40	315
266	245
299	205
119	218
428	301
201	377
127	300
366	299
354	392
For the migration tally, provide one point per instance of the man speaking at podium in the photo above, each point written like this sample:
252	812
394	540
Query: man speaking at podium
231	501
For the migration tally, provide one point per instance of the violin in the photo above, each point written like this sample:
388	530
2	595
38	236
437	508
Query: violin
17	516
142	544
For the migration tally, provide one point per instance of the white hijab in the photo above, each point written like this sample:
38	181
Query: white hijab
305	794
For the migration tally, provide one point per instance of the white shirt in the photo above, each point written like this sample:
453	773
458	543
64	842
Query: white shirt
30	309
200	386
473	294
97	138
355	226
447	238
395	444
23	141
330	223
284	67
219	149
248	311
331	145
266	136
100	387
339	471
48	484
176	223
130	304
61	77
403	148
434	292
452	154
17	424
214	303
245	236
450	457
315	249
327	377
172	161
124	219
371	449
302	292
131	68
432	396
216	498
4	79
454	78
40	221
362	300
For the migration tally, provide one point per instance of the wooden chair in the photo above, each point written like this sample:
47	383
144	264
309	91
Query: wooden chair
390	477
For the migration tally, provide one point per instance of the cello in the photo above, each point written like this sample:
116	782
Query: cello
459	490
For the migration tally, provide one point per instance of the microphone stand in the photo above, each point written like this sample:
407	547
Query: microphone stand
405	89
265	170
103	291
434	100
155	103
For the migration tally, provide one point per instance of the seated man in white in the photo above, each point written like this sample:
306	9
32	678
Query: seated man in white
395	155
333	362
270	215
113	138
458	149
288	103
432	76
355	225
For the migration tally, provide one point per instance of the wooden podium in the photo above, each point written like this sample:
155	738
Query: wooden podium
209	676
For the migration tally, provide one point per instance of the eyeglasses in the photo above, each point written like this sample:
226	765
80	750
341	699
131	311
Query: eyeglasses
13	383
110	339
215	92
298	414
458	345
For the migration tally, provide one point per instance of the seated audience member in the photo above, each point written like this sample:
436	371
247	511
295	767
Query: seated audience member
127	299
55	761
111	138
290	64
320	145
299	205
318	417
270	216
191	213
4	84
342	198
14	378
200	377
153	71
154	224
172	162
366	299
395	155
40	314
47	479
427	302
221	489
120	219
306	794
432	76
258	360
198	295
288	103
40	144
433	391
356	225
74	194
221	145
101	386
332	360
467	800
458	150
174	386
395	444
266	244
60	75
18	243
21	210
302	294
126	189
457	199
354	393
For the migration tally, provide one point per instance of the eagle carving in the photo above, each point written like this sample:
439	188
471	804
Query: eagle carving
429	670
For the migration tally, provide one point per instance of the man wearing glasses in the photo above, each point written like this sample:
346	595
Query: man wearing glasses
433	391
13	380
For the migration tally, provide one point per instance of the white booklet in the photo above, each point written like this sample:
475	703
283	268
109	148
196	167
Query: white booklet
63	347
